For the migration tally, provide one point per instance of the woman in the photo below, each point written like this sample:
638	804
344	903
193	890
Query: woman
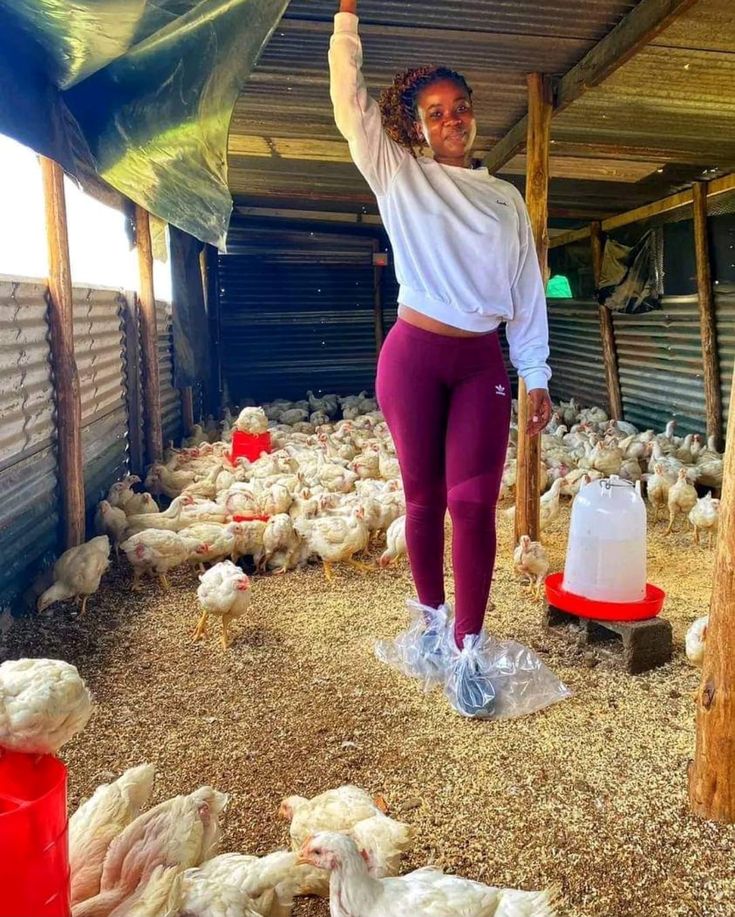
466	260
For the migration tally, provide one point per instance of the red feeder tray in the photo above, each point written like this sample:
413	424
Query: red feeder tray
256	518
34	849
578	605
249	445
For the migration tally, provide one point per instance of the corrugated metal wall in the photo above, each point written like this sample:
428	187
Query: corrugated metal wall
725	315
296	313
29	517
99	347
576	352
660	364
171	419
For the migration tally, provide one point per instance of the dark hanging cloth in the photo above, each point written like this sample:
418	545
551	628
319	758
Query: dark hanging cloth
190	327
631	279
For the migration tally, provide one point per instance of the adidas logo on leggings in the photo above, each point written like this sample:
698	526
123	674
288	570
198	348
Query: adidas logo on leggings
499	389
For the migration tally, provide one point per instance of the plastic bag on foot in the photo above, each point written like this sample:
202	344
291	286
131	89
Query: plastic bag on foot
422	650
500	679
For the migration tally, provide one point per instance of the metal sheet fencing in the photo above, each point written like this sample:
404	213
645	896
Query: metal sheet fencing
725	318
660	363
99	346
29	514
297	319
576	352
171	415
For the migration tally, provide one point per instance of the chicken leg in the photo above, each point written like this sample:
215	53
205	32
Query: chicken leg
328	571
84	606
225	632
201	628
696	535
356	565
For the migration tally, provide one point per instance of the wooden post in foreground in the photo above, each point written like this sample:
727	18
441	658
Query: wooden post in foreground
66	375
712	773
540	106
148	338
708	330
609	354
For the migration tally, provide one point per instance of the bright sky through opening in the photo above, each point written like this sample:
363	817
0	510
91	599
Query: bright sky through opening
98	245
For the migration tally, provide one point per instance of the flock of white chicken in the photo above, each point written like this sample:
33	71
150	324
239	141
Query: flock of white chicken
331	487
128	860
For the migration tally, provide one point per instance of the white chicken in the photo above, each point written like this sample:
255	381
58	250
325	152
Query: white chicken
202	896
267	884
530	560
682	498
43	704
77	573
280	543
156	552
160	896
657	489
549	505
425	892
183	831
224	591
337	809
705	515
695	641
395	542
98	820
252	420
336	539
111	521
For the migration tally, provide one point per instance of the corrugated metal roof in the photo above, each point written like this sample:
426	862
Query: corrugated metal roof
672	102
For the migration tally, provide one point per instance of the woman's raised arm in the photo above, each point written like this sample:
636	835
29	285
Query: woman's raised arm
356	114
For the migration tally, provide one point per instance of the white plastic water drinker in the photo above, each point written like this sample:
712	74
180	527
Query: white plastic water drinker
606	555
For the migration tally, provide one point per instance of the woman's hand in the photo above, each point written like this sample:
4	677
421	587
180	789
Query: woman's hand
539	411
348	6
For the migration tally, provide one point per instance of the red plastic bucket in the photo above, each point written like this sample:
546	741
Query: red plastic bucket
34	843
249	445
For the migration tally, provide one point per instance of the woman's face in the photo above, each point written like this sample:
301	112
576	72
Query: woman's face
447	122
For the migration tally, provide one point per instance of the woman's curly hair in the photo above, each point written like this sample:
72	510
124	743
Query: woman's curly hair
399	102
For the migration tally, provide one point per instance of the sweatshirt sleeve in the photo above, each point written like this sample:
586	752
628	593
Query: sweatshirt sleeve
528	331
357	115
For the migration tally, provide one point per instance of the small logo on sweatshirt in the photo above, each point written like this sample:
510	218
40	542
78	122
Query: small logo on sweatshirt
499	389
504	203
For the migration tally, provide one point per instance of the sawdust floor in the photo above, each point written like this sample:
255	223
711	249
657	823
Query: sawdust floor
589	795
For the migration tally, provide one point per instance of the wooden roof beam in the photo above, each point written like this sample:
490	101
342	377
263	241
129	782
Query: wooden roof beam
635	31
715	187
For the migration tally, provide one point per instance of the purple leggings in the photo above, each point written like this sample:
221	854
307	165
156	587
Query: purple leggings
447	403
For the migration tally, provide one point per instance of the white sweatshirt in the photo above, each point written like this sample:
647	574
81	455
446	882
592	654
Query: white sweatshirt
462	242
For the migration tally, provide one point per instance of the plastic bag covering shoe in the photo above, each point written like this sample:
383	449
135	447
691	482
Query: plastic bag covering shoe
500	679
422	650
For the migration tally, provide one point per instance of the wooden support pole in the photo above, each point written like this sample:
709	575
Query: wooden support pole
378	301
609	354
708	329
208	265
187	409
712	773
134	393
66	375
540	105
148	338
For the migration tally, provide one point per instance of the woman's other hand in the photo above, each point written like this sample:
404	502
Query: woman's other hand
348	6
539	411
